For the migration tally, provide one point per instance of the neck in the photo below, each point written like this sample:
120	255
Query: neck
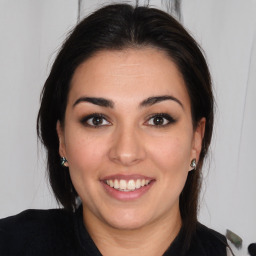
151	240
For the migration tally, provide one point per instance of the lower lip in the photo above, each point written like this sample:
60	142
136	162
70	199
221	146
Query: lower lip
127	196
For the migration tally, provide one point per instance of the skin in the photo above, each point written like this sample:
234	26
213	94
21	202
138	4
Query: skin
128	142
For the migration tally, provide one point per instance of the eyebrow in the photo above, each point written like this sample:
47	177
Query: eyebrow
153	100
110	104
96	101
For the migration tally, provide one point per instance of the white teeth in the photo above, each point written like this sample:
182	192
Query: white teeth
138	184
122	184
127	185
116	184
111	183
131	185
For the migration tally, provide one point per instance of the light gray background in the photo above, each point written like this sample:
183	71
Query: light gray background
30	34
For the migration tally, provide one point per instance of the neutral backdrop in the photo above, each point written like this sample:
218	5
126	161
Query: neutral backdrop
30	35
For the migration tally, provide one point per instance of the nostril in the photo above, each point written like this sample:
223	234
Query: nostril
126	149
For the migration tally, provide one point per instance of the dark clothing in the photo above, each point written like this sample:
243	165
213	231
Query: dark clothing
57	232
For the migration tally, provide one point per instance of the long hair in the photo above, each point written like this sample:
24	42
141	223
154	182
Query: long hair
117	27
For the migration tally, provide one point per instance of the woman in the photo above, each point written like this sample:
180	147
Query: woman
128	109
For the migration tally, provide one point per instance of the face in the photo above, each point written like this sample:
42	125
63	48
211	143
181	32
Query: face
128	137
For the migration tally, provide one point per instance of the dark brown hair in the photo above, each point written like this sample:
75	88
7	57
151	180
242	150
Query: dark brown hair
116	27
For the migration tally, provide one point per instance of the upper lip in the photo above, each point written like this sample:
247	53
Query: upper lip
126	177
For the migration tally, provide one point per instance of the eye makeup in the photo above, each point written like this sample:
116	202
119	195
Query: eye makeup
159	120
95	120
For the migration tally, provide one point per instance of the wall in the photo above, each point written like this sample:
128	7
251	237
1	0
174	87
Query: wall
31	32
226	31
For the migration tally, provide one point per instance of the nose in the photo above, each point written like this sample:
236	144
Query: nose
127	147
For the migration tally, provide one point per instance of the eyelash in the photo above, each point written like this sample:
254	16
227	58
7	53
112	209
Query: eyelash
166	118
85	120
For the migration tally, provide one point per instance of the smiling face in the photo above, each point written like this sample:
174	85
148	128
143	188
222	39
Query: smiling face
128	137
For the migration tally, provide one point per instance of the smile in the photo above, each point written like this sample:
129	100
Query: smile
127	185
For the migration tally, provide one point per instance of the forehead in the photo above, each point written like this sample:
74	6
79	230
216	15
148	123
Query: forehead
128	73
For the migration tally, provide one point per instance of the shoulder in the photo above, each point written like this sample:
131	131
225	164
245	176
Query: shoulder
34	220
33	230
35	216
208	242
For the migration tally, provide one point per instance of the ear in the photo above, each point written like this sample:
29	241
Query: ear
62	146
197	140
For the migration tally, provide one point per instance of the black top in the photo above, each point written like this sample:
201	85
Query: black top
57	232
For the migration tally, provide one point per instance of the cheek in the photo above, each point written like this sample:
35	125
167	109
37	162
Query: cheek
84	152
85	156
171	150
172	159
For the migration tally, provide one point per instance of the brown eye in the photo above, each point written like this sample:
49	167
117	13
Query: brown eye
160	120
95	120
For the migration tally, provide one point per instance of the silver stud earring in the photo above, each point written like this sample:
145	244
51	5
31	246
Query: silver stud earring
193	164
63	161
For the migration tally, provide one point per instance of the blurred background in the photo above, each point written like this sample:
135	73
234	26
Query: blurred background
31	33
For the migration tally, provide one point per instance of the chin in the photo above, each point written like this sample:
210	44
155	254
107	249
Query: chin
127	221
127	225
